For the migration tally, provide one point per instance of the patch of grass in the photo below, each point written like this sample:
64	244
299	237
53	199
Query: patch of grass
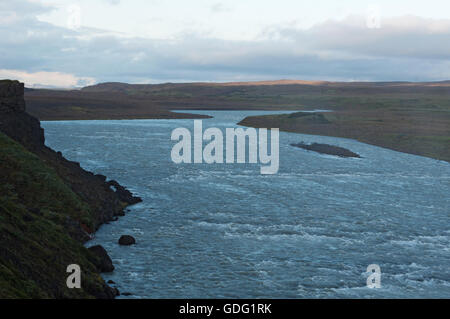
35	209
79	109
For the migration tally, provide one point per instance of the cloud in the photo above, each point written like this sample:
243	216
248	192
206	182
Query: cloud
403	48
113	2
219	7
407	36
46	79
25	8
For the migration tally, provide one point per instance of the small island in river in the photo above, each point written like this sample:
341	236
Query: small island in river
327	149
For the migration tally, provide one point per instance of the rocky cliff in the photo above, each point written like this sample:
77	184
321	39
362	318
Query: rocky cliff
11	93
49	206
14	121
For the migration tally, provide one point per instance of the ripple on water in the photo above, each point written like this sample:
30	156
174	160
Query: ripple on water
225	231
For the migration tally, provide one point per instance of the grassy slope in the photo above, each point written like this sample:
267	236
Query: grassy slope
32	239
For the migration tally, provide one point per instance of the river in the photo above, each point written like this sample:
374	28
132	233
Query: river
226	231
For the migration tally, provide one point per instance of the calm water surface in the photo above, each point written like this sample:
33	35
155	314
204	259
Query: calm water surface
226	231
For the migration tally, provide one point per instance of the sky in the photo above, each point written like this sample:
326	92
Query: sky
73	43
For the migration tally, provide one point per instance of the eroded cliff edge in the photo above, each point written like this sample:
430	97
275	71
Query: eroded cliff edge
49	207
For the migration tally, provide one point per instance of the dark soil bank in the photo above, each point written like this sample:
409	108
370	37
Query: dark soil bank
49	207
327	149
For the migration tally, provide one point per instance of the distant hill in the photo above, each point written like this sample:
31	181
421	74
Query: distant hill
221	94
412	117
118	86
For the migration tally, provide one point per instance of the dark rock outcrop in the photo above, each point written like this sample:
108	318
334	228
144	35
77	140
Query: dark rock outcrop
124	194
126	240
25	129
116	291
104	262
14	121
108	293
326	149
11	93
39	260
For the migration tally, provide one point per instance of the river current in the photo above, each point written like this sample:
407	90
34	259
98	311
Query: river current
226	231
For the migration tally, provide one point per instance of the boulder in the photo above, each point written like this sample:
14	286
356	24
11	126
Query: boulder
124	194
127	240
116	291
104	262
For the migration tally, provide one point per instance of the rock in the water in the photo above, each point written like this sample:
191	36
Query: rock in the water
123	193
104	263
326	149
127	240
116	291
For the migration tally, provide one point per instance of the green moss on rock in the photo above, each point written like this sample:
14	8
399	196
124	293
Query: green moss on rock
37	212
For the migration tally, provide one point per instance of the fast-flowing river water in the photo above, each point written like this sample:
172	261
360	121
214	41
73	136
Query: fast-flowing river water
226	231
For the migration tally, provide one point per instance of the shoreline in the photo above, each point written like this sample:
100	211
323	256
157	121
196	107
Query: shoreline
180	116
112	285
337	125
257	122
44	233
412	118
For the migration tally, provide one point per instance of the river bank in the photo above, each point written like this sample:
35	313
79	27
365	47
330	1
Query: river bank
410	117
430	137
49	207
226	231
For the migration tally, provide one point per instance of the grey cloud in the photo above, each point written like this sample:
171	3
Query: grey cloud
113	2
22	9
330	51
408	36
219	7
